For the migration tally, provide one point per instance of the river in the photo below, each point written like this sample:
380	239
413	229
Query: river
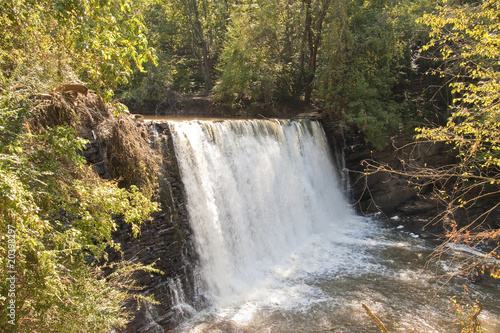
280	250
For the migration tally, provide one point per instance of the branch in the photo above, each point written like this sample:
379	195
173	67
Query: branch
380	324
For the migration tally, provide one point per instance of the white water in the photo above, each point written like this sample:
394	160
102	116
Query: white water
279	248
257	191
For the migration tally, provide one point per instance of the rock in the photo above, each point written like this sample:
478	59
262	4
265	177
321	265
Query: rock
389	193
164	240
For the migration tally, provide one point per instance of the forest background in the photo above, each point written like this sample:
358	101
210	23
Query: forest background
381	67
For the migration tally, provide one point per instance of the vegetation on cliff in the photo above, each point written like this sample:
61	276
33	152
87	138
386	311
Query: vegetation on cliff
56	214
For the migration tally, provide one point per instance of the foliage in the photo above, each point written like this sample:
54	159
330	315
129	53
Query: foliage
464	45
248	64
345	56
469	50
469	312
56	214
361	90
468	43
368	51
357	59
63	215
270	54
177	65
187	36
43	44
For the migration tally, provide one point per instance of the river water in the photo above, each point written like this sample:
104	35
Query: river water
280	249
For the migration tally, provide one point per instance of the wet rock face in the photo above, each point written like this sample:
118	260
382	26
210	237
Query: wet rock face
390	196
165	240
390	193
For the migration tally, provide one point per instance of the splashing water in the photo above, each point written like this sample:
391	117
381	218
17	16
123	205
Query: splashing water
279	248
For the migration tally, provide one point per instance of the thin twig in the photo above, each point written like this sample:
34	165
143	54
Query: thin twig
375	318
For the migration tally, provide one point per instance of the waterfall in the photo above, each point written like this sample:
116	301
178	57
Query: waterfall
257	190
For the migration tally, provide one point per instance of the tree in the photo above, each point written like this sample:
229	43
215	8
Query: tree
366	48
56	214
200	43
275	45
188	36
467	44
45	43
249	62
464	45
313	26
348	57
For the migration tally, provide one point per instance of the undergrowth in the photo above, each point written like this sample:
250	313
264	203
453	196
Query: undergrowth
57	215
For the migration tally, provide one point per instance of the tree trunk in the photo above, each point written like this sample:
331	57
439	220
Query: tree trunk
191	7
299	83
313	26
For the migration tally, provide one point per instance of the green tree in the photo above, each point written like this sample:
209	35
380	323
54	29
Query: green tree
46	43
249	66
56	214
366	53
464	46
467	42
271	51
349	57
315	14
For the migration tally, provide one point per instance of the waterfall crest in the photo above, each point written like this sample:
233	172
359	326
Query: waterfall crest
256	191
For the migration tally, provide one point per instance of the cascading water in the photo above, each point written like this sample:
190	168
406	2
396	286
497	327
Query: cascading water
257	190
279	248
